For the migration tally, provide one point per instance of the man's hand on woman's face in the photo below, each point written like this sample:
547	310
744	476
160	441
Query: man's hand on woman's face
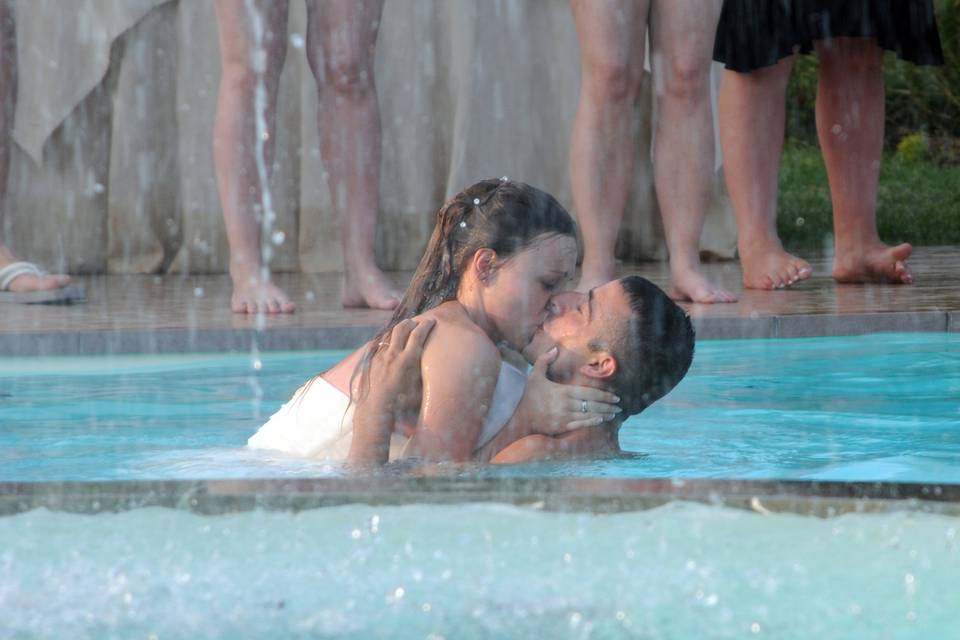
551	409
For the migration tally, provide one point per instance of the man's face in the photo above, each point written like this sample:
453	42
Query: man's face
575	322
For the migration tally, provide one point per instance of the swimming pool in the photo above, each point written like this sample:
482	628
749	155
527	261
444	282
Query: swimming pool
882	407
681	570
103	535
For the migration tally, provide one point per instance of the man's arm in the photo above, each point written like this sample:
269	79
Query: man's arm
584	442
551	409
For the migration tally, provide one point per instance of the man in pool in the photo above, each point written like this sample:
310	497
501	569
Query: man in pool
626	337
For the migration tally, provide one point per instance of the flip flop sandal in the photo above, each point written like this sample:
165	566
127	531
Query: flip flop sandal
61	295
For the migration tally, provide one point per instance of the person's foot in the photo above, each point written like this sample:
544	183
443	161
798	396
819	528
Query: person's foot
771	267
252	294
690	285
27	282
876	262
596	274
368	287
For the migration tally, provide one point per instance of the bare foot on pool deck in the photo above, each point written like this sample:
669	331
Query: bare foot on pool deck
368	287
772	268
876	262
690	285
251	294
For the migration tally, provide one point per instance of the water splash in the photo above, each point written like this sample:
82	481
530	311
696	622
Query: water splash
258	61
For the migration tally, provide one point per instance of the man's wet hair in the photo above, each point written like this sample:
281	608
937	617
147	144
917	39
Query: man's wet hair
653	349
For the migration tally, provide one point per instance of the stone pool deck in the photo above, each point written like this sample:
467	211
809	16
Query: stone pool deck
174	313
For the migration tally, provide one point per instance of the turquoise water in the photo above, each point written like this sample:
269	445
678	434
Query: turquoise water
478	571
878	407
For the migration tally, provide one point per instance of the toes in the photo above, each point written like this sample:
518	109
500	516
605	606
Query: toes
726	296
288	307
902	251
903	273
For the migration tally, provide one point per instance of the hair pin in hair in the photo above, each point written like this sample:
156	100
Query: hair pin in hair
476	201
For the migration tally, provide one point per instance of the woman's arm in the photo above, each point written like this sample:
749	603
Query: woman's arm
548	408
460	371
395	378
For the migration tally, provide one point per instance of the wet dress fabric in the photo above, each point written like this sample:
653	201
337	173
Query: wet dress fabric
752	34
317	422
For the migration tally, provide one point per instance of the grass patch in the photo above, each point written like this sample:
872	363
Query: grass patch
917	202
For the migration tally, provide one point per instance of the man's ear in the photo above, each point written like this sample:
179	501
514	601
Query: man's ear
601	365
484	263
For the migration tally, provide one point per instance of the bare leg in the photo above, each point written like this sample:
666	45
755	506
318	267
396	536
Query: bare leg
850	119
611	34
752	121
682	38
345	33
8	102
238	180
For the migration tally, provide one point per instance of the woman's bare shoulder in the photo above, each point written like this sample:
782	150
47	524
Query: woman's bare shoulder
457	341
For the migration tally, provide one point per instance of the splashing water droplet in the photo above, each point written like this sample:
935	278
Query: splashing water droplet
296	41
279	237
98	188
310	295
198	292
257	364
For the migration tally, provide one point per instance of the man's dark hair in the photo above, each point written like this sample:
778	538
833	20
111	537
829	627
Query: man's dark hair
653	349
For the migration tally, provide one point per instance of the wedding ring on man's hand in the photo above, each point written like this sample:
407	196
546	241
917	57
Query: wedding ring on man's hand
583	406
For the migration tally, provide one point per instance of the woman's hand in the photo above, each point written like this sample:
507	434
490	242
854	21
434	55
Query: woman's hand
551	409
395	384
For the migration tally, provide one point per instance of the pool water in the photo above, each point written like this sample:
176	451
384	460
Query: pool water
878	407
478	571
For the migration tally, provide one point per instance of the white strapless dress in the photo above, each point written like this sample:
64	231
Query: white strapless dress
317	422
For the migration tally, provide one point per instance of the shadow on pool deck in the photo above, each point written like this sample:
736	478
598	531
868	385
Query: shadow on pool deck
175	313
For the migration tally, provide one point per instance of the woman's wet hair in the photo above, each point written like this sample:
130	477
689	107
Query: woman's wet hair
499	214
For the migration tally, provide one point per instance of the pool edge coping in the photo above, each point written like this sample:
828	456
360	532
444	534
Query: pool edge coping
347	336
576	494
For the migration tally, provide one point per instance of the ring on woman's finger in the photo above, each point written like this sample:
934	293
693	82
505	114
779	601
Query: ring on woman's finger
583	406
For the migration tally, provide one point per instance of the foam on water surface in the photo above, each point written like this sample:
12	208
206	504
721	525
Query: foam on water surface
682	570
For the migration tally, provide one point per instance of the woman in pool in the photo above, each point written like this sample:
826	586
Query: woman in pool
499	250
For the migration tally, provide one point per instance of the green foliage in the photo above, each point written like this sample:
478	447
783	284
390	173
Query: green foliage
913	147
919	99
917	201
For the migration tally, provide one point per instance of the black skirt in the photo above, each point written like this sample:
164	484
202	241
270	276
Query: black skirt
758	33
